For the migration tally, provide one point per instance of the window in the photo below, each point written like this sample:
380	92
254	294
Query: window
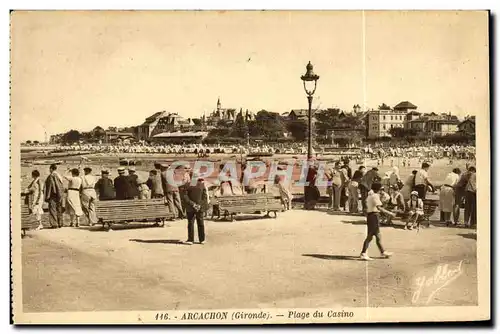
391	126
384	126
391	120
384	118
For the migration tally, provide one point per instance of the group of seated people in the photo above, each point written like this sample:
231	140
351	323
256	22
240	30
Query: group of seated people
411	211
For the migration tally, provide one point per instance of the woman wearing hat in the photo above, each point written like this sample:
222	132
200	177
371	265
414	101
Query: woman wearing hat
416	210
142	187
34	198
73	203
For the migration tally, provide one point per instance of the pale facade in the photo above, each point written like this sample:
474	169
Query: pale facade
380	122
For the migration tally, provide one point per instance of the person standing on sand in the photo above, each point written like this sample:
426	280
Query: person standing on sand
196	199
447	195
134	186
34	198
54	194
104	187
470	212
172	194
374	207
154	183
74	204
89	196
122	186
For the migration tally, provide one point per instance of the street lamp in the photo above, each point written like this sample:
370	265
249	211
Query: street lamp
309	79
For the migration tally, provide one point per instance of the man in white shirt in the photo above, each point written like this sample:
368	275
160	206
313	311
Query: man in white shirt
373	209
422	181
89	195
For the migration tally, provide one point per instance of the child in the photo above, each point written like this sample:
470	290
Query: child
286	194
374	208
416	210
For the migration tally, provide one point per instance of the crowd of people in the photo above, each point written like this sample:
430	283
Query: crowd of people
396	155
348	191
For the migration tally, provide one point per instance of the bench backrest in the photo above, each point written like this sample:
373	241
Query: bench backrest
122	210
257	201
27	221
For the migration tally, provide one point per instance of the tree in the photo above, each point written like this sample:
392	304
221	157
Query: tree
240	127
298	129
384	106
36	142
267	124
28	142
71	136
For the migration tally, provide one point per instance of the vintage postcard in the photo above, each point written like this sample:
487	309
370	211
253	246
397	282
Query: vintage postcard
250	167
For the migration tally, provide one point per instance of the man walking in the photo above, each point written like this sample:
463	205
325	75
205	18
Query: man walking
374	208
88	195
196	199
367	180
54	191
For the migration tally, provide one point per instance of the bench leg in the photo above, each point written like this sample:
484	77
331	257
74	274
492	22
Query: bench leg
231	219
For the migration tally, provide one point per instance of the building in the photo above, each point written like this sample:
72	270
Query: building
379	122
163	122
467	126
298	115
113	137
405	107
434	124
226	115
442	127
172	122
145	129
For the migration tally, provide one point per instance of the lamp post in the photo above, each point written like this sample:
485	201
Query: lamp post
308	79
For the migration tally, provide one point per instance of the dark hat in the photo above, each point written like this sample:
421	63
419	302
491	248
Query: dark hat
87	169
104	171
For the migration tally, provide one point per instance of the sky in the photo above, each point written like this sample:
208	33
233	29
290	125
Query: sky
77	70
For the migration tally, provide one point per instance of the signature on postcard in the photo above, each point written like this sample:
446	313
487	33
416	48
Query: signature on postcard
427	286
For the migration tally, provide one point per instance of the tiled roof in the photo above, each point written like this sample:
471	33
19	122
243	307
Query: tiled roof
405	105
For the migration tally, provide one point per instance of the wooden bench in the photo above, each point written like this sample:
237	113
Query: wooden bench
125	211
229	206
28	222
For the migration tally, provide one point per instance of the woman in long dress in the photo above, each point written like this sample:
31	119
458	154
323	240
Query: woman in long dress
73	203
34	198
447	195
408	185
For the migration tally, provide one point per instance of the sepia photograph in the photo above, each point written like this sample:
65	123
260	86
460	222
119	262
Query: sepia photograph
250	167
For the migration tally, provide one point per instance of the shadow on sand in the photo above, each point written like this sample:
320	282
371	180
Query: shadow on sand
159	241
118	227
332	257
469	235
399	225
